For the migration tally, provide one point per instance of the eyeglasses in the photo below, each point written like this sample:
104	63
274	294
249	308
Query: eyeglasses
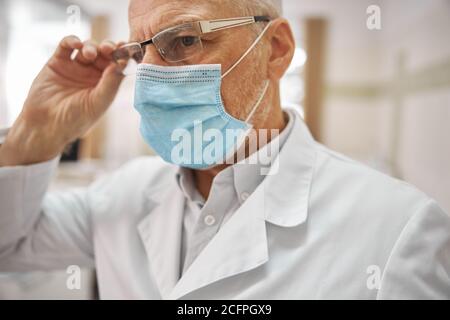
181	42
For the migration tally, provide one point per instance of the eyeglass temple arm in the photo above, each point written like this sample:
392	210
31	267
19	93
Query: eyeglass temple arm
146	43
221	24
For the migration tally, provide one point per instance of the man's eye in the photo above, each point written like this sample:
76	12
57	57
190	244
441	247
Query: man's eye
188	41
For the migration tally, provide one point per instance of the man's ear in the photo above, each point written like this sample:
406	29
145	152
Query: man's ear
282	48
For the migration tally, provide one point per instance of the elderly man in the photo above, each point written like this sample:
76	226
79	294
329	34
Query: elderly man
314	225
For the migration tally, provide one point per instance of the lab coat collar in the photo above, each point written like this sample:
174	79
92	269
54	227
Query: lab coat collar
285	191
248	173
241	244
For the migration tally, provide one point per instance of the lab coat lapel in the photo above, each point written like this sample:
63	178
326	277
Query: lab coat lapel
281	199
288	184
240	246
161	232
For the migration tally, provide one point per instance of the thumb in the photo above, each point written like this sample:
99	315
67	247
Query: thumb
107	87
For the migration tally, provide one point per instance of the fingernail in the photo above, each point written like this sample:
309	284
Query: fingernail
91	50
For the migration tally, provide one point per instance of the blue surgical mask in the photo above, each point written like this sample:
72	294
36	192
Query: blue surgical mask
183	117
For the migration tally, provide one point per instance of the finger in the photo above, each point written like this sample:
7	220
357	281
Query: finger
107	87
88	53
104	59
67	46
102	63
106	49
104	55
118	45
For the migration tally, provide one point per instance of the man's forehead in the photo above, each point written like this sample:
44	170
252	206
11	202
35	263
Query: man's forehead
161	14
147	7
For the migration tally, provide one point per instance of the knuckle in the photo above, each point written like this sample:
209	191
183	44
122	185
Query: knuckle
91	43
69	38
107	42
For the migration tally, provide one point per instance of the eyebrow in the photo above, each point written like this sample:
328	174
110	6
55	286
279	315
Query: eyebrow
164	27
175	23
178	20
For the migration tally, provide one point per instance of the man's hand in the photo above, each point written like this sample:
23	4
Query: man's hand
66	99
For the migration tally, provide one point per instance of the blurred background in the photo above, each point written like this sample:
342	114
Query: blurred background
371	76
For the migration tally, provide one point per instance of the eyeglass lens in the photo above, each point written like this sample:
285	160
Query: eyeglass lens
174	45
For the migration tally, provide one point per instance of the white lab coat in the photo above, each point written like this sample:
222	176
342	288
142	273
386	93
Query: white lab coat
323	227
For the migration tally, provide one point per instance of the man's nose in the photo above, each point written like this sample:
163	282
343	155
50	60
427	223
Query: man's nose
152	56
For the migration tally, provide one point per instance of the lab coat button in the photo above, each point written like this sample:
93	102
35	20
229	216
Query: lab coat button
210	220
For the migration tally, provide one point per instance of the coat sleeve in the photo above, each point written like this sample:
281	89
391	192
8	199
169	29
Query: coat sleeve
419	265
40	231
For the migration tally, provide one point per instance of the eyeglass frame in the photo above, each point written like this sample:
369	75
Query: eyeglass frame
204	27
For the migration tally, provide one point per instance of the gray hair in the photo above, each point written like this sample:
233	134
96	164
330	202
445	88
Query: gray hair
271	8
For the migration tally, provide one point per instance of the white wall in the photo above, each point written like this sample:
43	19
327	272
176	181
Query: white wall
388	91
419	31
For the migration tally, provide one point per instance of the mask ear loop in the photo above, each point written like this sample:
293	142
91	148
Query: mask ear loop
230	155
263	94
248	51
241	142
